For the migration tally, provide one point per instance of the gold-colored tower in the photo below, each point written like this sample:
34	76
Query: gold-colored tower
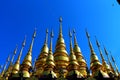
40	62
95	64
73	67
79	57
113	60
105	66
49	65
16	66
4	68
111	67
27	62
60	55
10	67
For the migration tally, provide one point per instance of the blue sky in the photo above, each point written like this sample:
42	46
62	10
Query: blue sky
19	18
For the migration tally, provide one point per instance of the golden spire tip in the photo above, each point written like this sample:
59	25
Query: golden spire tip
60	19
46	39
105	51
52	34
70	34
97	42
88	36
15	51
34	34
24	42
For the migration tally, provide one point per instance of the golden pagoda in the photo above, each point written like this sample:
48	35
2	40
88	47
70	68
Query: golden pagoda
4	68
111	67
79	57
16	66
60	56
27	62
10	67
40	62
113	60
49	65
73	67
95	64
105	66
58	65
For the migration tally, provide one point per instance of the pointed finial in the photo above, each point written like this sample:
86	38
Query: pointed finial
60	33
75	40
15	51
90	45
31	45
105	51
99	50
24	42
60	19
34	34
51	35
87	34
8	59
112	57
46	39
97	42
70	35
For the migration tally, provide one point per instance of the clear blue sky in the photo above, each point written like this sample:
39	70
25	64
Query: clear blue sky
19	18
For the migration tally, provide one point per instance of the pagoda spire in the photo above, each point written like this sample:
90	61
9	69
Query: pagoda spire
75	40
105	67
4	68
40	62
113	60
49	65
73	65
14	53
79	57
46	39
16	66
27	62
60	55
10	67
109	60
60	32
95	64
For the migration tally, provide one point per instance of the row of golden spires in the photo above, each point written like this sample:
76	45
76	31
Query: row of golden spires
59	62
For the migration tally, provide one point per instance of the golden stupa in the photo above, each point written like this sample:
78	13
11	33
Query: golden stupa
61	56
16	66
40	62
59	64
73	67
